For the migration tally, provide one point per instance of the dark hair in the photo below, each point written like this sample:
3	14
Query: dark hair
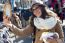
42	7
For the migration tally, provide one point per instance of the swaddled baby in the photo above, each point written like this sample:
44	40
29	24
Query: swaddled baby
49	35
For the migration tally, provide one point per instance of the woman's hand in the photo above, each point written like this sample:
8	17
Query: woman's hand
52	41
6	21
60	41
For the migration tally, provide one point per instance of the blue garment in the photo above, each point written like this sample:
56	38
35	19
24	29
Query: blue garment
1	16
23	40
12	4
26	14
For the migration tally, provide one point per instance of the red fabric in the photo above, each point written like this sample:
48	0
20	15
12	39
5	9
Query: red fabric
61	16
53	3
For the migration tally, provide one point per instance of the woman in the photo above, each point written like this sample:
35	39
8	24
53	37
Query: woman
43	24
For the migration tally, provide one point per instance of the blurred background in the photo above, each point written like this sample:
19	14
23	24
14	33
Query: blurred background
21	8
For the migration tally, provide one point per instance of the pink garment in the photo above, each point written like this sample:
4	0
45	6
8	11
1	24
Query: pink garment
53	3
63	1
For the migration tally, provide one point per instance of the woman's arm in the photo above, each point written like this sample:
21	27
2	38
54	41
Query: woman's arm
21	32
59	30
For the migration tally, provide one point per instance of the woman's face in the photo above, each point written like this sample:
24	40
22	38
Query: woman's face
37	11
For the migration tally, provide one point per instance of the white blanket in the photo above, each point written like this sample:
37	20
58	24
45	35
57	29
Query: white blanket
45	23
46	35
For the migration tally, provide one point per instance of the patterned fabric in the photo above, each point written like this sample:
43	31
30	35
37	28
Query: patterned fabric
4	37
